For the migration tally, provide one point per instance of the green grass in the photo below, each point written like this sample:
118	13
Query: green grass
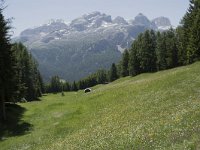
149	111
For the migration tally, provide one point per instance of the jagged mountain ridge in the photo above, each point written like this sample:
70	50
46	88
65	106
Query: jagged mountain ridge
162	23
74	50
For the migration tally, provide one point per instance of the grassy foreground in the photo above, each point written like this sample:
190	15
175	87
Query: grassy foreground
150	111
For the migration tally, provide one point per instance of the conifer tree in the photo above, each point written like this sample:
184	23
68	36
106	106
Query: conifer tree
29	80
55	85
161	51
191	27
113	72
193	48
119	69
125	60
147	51
134	64
7	67
181	46
74	86
171	49
81	84
152	51
41	83
67	86
101	76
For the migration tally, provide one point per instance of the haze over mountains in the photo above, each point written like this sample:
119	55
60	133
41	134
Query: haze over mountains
74	50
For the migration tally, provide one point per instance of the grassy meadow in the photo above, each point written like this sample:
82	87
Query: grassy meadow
158	111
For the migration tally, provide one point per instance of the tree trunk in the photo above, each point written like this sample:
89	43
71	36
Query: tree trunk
2	106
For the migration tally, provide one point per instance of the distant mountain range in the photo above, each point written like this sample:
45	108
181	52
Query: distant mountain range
93	41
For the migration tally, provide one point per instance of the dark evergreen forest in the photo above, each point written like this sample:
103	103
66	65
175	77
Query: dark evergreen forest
20	80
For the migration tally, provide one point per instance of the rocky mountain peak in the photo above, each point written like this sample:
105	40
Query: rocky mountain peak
162	23
141	19
91	20
140	14
120	20
91	15
55	21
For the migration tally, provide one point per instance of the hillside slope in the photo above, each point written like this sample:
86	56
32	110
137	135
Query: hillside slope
149	111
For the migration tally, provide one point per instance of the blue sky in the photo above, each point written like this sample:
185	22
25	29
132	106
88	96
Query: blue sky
30	13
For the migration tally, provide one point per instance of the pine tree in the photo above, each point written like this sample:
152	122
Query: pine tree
81	84
74	86
19	78
7	67
134	64
119	69
125	60
161	51
113	72
41	83
55	85
191	31
171	49
146	51
152	51
67	86
193	48
29	81
181	46
101	76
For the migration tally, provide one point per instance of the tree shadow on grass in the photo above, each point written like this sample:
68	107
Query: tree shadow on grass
14	126
37	99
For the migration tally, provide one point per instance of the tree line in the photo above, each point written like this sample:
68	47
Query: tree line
153	51
20	79
58	85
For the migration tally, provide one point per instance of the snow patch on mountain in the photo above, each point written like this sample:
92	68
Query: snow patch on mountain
163	28
120	48
162	23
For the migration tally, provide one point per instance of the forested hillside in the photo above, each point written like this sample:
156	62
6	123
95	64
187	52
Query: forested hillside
20	79
153	51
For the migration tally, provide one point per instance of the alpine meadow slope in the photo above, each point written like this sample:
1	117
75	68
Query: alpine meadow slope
150	111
